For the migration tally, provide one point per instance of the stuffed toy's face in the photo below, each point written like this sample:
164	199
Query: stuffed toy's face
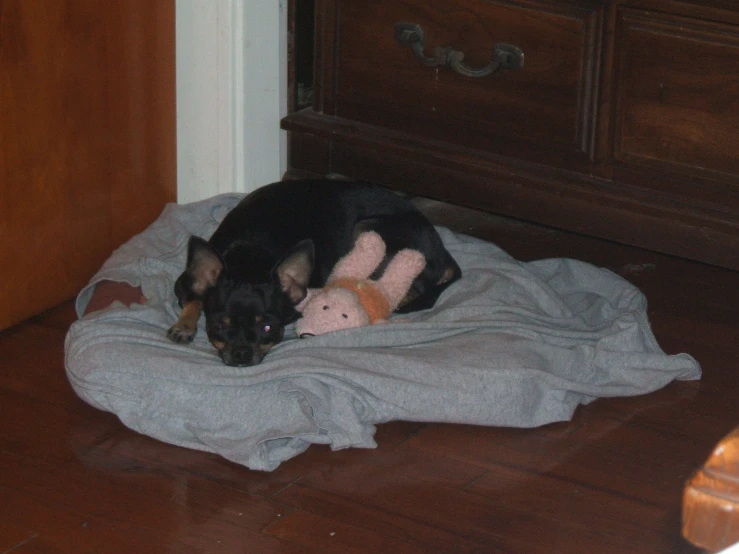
331	310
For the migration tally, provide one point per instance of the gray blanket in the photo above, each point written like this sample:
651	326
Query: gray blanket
510	344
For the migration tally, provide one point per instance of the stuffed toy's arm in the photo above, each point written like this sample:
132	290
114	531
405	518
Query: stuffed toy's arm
368	252
398	277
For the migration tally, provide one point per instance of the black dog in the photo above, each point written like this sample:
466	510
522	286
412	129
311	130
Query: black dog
286	237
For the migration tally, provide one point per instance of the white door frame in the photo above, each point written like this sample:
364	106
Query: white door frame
231	95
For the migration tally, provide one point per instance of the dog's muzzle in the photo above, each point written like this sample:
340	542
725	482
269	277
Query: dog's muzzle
241	356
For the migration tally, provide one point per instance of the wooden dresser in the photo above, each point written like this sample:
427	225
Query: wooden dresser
618	119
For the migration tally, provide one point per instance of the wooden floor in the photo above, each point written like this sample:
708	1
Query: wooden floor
73	479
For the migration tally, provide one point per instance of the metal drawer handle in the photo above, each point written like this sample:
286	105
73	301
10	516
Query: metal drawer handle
505	56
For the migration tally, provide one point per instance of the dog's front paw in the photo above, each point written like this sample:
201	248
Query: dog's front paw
181	333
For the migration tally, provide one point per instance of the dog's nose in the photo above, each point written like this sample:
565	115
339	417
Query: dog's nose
306	335
241	356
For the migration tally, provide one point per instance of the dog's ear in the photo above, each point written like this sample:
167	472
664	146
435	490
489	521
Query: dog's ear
204	265
293	272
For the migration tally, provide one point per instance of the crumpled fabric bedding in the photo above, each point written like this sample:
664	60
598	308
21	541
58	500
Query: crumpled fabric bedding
510	344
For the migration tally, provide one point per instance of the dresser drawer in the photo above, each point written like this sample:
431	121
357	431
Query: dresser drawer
544	110
677	105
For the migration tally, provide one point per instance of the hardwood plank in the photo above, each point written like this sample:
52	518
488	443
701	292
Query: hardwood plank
353	509
637	471
330	536
17	470
686	411
359	465
645	446
132	449
195	514
53	528
562	499
41	430
30	370
449	520
143	494
60	317
125	443
12	536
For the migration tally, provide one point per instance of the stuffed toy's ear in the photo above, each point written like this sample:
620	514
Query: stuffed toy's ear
309	295
204	265
294	271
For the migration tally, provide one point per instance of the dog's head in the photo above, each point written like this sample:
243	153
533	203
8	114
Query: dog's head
247	296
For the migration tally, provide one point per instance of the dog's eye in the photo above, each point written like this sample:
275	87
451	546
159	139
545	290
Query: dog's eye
219	326
267	328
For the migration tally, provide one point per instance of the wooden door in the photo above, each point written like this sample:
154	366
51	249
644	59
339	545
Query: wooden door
87	139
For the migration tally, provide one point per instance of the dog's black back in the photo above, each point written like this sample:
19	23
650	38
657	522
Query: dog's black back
286	237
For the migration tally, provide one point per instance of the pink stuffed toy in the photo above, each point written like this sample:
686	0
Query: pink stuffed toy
349	298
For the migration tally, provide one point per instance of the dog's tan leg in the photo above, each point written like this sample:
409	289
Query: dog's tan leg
184	330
